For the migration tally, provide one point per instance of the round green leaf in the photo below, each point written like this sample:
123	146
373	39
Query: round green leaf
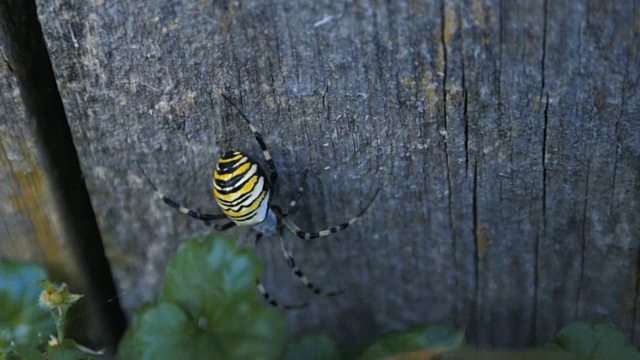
211	271
24	353
315	346
577	338
67	350
603	340
435	338
22	321
166	331
611	341
207	309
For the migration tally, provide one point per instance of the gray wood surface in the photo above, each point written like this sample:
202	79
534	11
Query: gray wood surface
46	216
504	135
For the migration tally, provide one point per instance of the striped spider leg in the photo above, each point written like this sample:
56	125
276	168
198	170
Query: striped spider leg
207	218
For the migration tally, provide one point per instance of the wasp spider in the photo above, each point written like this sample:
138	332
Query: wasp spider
242	189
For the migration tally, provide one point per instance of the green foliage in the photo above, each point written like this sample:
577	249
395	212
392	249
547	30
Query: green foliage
67	350
25	315
435	339
599	341
22	322
207	309
58	300
313	346
425	342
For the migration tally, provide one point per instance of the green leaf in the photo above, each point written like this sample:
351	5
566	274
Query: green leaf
314	346
496	354
22	321
611	341
207	309
577	338
67	350
128	347
436	339
163	331
25	353
602	340
210	273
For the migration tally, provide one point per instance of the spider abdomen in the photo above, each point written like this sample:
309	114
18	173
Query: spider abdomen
241	189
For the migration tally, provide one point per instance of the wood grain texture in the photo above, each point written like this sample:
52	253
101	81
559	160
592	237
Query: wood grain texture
32	228
46	214
504	136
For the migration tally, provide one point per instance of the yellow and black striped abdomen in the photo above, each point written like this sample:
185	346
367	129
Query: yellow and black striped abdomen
241	189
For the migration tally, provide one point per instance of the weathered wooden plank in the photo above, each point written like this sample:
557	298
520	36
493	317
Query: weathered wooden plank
504	136
592	261
31	225
46	214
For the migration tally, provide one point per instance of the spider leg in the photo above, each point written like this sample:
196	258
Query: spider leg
194	214
273	174
326	232
288	256
265	294
224	227
292	205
